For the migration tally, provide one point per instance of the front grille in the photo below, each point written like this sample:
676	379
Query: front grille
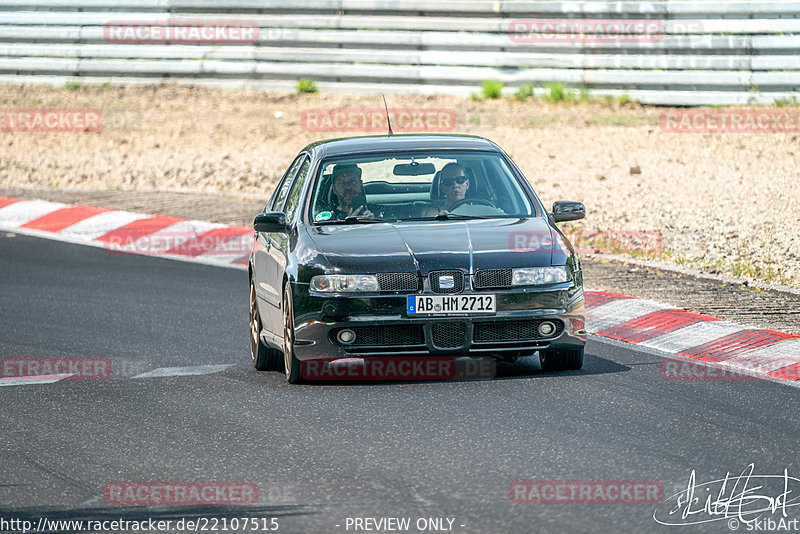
448	335
492	278
398	282
385	336
512	331
435	278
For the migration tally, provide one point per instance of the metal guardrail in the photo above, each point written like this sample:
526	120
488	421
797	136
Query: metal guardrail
700	53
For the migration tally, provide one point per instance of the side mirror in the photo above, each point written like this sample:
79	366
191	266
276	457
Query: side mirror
567	210
270	222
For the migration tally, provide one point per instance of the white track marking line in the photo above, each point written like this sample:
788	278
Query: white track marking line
184	371
93	500
692	335
620	311
24	211
28	380
93	227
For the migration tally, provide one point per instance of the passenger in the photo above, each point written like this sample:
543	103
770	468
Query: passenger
453	187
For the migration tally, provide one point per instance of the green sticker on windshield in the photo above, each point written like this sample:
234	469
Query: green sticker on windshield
323	216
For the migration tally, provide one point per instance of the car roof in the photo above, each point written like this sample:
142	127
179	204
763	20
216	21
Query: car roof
382	143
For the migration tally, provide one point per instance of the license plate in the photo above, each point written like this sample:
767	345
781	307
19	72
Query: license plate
450	304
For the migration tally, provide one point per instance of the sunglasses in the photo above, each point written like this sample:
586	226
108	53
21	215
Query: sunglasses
448	182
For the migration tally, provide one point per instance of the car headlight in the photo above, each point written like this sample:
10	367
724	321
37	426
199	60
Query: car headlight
344	283
539	276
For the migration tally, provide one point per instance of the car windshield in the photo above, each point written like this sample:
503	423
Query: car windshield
417	186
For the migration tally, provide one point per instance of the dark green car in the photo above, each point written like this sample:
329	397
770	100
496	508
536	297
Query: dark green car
412	246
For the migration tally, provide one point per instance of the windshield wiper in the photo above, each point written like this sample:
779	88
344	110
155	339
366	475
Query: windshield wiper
457	217
357	220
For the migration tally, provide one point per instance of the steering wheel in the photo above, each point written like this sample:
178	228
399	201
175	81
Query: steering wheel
463	201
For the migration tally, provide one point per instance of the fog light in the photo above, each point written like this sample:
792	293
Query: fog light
546	328
346	336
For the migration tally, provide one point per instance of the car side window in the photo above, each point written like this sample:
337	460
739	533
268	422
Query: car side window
293	199
283	188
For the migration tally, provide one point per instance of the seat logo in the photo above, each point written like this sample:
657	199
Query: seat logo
447	281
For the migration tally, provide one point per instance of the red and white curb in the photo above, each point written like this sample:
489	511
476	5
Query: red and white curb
739	350
673	332
123	232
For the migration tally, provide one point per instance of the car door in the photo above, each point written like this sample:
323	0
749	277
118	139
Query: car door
263	266
278	252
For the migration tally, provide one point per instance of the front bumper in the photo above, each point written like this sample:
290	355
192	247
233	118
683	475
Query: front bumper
383	327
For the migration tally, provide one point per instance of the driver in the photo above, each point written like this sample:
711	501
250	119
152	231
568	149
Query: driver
453	186
349	191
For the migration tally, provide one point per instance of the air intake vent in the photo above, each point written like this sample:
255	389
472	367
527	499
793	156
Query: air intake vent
492	278
408	282
513	331
384	336
449	335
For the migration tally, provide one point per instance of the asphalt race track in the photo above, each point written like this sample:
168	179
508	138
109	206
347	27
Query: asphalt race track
322	453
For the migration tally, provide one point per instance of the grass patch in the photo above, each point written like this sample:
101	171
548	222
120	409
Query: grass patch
492	89
556	92
524	91
72	86
305	85
791	102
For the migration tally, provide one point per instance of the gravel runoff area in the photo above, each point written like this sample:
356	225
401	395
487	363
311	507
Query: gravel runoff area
727	300
723	203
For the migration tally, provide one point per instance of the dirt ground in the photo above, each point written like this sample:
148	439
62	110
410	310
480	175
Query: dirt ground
724	203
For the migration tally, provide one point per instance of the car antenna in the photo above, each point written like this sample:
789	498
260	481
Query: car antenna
389	122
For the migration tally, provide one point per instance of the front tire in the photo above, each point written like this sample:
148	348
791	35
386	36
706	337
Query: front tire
264	357
290	362
561	359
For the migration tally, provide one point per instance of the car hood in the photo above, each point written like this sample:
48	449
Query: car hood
432	245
